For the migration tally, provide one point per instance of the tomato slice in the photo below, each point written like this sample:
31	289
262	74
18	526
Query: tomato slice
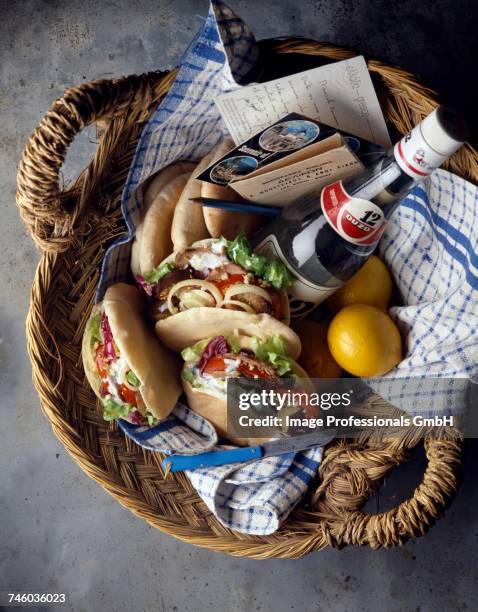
101	361
247	370
223	285
215	364
128	395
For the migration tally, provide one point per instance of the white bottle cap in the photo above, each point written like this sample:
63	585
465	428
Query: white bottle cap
431	142
444	130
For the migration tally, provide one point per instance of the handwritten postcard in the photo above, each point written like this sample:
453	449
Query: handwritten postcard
340	95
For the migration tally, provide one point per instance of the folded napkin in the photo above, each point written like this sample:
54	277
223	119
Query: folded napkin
428	245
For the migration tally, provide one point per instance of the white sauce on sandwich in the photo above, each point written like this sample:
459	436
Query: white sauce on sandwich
203	262
231	365
116	368
206	381
218	247
113	378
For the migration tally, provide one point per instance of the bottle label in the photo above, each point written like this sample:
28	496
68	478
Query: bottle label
304	295
415	156
356	220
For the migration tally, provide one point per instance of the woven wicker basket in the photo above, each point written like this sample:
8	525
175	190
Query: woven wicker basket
71	228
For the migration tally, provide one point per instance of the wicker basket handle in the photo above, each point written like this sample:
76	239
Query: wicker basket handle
49	212
414	516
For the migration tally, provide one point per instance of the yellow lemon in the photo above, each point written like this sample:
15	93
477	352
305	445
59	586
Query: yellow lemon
364	340
371	285
315	357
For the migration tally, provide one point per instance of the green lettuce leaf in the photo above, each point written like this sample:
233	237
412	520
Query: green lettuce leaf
132	378
273	352
157	274
269	268
233	343
187	374
239	251
115	410
152	420
93	329
276	274
193	353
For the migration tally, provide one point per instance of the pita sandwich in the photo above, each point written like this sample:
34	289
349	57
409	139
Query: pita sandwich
133	375
217	273
261	353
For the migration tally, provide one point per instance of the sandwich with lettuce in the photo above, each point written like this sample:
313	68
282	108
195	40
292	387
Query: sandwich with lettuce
220	346
218	273
133	375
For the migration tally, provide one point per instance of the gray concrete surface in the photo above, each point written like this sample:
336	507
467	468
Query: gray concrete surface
58	530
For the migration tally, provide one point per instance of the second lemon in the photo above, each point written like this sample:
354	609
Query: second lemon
371	285
364	341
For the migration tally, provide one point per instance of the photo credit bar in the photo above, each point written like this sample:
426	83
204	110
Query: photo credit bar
260	408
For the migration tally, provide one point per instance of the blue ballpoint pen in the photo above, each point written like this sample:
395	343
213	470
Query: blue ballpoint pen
247	207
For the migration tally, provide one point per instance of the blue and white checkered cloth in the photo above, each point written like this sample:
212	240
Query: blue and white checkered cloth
430	245
253	497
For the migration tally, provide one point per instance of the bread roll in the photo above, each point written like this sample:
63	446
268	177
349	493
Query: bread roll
153	188
188	221
220	222
155	232
187	327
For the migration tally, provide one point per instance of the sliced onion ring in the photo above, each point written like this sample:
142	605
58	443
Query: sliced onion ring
194	284
239	288
243	305
193	298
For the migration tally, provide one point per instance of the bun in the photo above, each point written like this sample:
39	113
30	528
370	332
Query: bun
188	221
155	234
220	222
187	327
152	190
